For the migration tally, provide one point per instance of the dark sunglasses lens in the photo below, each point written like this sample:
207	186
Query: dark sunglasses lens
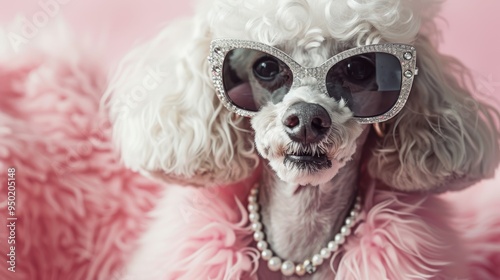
370	83
253	78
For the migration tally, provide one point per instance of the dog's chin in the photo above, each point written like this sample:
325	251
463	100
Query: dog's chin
305	169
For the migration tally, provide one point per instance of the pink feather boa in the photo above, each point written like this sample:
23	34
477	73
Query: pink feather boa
204	234
80	213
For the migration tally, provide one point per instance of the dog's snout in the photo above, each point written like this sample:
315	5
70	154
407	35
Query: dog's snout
306	122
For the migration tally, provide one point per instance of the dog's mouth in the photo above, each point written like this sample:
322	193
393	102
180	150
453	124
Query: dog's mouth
308	160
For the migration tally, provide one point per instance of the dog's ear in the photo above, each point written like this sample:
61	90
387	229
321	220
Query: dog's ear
443	139
167	120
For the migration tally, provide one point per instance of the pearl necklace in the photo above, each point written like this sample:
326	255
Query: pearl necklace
287	267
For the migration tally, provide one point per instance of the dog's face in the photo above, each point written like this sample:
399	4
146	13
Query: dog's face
305	118
305	135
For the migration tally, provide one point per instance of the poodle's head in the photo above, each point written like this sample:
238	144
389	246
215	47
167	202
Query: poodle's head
299	84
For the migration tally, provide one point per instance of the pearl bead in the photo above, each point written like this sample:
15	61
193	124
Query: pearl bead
333	246
266	254
274	264
317	260
348	221
258	235
254	191
300	270
256	226
287	268
325	253
353	214
339	238
262	245
253	207
252	198
254	217
345	230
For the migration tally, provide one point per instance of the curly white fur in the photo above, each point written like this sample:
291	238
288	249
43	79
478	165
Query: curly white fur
177	128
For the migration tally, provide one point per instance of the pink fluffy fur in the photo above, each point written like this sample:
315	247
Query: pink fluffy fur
79	210
209	238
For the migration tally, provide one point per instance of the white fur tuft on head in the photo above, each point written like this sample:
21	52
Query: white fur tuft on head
362	22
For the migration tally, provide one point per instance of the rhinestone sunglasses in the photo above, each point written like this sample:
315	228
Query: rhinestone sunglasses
374	81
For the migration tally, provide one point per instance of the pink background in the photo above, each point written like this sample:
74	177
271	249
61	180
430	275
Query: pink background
468	33
469	28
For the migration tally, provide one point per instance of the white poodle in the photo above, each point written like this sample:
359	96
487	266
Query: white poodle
337	101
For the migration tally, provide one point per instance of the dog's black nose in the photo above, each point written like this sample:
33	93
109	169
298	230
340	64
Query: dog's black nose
306	122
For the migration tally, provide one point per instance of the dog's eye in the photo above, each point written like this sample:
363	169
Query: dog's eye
359	68
266	68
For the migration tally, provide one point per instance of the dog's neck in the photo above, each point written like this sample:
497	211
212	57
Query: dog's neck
300	220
